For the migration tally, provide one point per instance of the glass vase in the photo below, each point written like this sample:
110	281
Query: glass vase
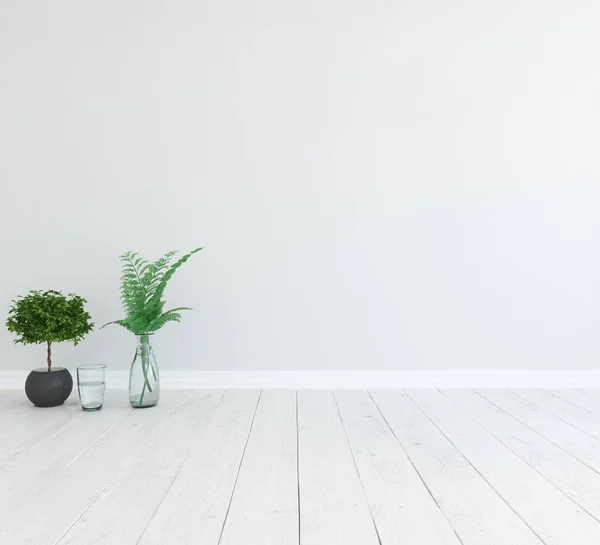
144	382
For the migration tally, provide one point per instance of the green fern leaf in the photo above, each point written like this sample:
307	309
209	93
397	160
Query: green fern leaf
122	323
142	287
177	309
163	319
160	288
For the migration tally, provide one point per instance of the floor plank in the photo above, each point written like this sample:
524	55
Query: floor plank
195	507
310	468
123	510
579	399
11	399
17	411
264	506
32	434
75	487
576	416
547	511
577	443
404	511
594	392
332	500
475	510
31	472
568	474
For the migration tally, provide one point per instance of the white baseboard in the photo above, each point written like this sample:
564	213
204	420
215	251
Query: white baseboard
347	379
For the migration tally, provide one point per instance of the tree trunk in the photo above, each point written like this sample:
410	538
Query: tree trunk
49	357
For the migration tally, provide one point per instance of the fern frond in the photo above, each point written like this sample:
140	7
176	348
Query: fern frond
177	309
163	319
133	292
122	323
155	273
142	286
160	288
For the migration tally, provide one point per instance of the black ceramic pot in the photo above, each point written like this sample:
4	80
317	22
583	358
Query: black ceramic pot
49	388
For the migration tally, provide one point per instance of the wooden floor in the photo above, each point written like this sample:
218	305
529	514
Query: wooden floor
279	467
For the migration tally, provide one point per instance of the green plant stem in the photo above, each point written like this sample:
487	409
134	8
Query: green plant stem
49	355
145	355
142	396
152	369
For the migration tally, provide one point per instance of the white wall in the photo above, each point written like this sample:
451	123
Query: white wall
394	184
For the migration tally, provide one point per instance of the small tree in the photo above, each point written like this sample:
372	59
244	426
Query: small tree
48	317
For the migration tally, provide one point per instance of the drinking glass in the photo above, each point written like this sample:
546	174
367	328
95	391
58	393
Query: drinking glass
91	381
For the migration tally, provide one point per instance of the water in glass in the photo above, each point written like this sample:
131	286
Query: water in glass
92	384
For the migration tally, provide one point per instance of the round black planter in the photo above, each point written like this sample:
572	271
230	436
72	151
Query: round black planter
49	388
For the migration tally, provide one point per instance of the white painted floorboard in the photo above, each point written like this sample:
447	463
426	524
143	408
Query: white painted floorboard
195	507
243	467
24	477
544	508
122	511
333	504
475	510
579	399
264	505
576	480
594	392
34	433
404	511
574	441
17	411
572	414
66	496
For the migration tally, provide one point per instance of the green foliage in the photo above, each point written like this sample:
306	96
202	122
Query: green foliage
41	317
142	287
49	317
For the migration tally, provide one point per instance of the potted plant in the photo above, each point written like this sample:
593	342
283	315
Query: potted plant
142	287
49	317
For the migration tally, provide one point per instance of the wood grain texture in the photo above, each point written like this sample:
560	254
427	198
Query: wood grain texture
264	506
547	511
319	467
579	399
34	433
75	487
568	474
31	472
14	399
195	507
578	417
404	511
475	510
332	500
122	511
594	392
574	441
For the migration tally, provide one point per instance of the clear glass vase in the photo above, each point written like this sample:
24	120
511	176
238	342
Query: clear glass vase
144	381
